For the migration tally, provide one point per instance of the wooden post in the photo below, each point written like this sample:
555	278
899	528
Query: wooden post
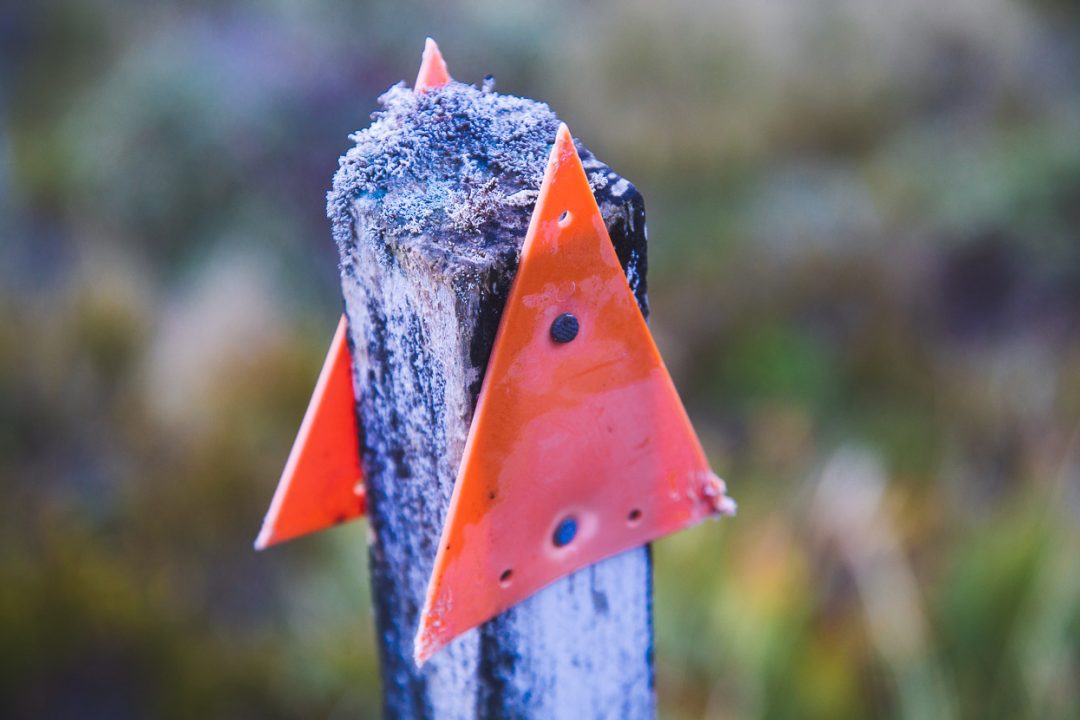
423	310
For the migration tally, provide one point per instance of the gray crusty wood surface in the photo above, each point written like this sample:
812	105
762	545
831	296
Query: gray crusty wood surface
429	212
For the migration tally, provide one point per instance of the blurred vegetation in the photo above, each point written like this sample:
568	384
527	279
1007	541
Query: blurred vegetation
865	276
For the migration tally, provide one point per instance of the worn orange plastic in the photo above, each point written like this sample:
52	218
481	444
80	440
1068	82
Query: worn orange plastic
579	449
433	71
322	484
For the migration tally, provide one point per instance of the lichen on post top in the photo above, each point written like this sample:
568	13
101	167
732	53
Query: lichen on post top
460	167
444	163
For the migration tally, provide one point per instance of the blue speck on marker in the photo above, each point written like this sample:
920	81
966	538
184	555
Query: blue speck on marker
565	532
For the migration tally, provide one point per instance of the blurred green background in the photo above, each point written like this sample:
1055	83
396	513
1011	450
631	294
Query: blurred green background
865	278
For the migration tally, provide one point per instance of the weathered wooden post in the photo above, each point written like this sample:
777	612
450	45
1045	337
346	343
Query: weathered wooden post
429	211
522	441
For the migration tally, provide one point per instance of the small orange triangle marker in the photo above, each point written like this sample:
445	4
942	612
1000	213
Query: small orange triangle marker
433	72
322	484
580	447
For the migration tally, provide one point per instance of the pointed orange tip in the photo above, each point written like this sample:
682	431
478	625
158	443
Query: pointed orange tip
564	144
433	72
322	484
580	447
562	153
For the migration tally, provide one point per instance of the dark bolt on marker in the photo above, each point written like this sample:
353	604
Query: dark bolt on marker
565	328
565	532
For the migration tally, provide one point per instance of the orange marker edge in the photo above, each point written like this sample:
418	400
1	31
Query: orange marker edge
322	484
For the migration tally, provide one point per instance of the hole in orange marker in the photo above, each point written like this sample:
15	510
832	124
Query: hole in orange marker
565	218
505	578
634	516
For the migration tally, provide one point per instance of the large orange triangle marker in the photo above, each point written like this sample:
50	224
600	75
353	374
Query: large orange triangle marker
322	484
580	447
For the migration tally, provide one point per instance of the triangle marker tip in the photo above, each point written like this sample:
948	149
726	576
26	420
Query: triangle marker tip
563	152
564	144
433	71
262	541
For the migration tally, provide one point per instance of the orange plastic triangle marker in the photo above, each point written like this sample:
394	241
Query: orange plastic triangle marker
322	484
433	72
580	447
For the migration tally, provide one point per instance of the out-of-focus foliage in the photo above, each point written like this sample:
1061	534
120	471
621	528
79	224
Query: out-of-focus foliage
865	225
